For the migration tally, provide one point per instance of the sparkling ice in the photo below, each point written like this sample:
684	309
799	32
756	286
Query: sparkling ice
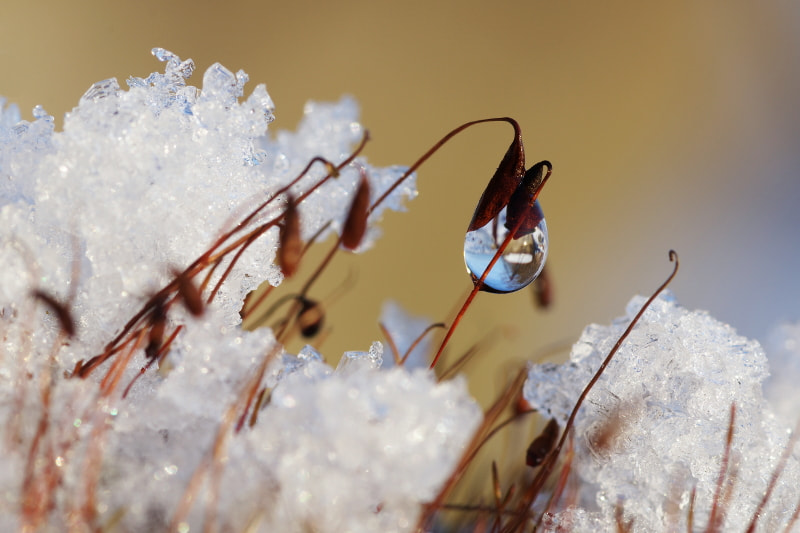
668	390
140	183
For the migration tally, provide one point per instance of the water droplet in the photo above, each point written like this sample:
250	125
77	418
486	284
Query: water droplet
521	261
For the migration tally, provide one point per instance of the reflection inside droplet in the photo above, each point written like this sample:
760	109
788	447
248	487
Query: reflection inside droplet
521	261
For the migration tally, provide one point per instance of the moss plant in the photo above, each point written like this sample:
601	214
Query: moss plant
133	400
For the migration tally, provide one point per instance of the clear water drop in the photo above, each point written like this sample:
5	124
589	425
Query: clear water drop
521	261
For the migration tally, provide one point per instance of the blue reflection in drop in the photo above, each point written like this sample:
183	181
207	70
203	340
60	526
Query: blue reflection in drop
522	260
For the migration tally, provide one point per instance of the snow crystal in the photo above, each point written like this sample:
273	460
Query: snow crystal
666	396
354	361
139	184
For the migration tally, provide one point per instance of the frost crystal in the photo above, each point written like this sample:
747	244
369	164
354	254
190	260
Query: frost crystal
140	184
665	402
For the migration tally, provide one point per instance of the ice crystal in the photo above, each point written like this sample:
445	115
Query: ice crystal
665	402
139	184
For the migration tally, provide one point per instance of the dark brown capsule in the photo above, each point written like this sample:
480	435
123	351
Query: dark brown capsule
523	212
190	295
543	289
158	324
355	226
61	311
310	318
542	445
76	371
291	246
521	405
503	183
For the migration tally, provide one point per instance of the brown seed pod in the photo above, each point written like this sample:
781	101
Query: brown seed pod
542	445
543	289
522	204
76	370
310	318
355	226
190	295
61	311
521	405
291	246
503	183
158	323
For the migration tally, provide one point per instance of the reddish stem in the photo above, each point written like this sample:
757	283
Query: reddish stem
479	283
434	149
475	289
549	464
419	339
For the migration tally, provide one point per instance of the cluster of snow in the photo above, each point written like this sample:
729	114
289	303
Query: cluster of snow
351	449
140	182
654	427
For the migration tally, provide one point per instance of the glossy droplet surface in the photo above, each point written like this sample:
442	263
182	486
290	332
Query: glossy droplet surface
521	261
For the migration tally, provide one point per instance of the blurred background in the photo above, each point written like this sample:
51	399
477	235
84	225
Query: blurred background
669	125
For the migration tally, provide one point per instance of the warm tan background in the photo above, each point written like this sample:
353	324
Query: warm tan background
670	125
